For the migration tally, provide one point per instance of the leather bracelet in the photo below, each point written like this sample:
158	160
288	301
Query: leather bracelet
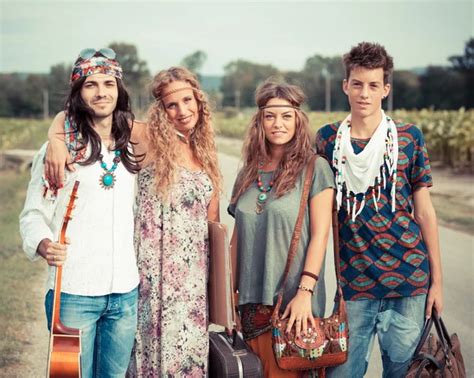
304	288
309	274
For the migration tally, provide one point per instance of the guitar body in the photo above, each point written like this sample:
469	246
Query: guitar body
65	343
65	355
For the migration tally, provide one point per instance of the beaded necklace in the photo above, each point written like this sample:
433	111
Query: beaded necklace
262	196
107	179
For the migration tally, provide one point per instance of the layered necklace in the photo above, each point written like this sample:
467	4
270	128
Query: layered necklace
263	189
107	179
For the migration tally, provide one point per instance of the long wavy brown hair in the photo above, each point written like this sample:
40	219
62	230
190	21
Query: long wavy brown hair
256	148
80	115
164	141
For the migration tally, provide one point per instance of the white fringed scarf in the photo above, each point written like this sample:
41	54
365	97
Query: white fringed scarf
356	173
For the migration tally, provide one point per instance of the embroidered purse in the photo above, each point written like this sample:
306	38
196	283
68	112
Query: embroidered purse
327	344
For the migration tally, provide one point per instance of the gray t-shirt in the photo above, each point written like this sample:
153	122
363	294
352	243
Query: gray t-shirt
263	241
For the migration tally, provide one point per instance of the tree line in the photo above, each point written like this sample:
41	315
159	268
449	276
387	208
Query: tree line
436	87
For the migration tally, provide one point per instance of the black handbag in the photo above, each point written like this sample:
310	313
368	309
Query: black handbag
437	355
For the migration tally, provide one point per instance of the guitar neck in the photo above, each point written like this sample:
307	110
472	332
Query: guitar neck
56	322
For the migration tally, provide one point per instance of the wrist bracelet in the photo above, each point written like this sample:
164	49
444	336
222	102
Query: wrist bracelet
304	288
309	274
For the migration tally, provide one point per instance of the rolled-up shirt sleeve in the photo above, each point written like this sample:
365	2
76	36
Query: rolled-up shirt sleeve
38	212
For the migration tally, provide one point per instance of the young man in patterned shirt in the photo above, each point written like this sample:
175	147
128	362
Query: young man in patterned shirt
390	259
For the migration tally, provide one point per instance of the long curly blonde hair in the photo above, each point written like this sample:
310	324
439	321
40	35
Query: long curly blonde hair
256	148
164	142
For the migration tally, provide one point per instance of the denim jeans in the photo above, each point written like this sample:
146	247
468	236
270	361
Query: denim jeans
107	323
396	321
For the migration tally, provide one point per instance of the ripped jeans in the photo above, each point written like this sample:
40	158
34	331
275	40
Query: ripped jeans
396	321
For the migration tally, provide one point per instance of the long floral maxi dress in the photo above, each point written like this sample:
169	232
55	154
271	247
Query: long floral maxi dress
172	256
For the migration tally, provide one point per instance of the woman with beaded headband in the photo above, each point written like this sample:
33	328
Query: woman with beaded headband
178	190
265	204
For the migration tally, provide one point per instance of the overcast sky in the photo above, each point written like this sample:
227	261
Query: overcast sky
38	34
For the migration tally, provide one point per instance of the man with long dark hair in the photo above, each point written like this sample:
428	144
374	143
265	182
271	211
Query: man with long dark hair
100	278
390	258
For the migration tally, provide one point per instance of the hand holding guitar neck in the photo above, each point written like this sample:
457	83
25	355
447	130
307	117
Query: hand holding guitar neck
54	253
65	343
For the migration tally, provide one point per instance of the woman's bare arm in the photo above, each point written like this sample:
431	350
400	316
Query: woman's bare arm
320	223
213	208
57	154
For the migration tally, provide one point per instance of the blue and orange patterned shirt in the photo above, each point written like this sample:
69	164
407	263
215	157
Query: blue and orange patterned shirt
382	253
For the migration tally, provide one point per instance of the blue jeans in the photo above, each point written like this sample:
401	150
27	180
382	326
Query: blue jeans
396	321
107	323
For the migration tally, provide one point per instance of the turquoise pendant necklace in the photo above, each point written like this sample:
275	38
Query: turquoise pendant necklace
264	190
107	179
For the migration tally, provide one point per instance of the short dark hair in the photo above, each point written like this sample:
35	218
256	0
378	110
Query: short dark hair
368	55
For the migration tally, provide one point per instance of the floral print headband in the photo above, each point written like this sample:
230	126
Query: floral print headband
99	62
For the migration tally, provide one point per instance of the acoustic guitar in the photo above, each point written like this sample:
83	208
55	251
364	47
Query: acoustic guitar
65	343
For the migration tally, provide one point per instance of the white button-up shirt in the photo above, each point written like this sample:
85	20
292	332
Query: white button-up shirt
101	258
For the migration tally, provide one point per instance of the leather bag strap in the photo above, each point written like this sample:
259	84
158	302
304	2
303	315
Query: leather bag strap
442	331
335	242
444	340
297	230
297	234
424	335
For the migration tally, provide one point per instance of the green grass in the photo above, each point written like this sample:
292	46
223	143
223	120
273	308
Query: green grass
229	150
12	197
22	133
18	276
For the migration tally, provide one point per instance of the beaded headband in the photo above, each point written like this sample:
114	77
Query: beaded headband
279	106
95	65
174	91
